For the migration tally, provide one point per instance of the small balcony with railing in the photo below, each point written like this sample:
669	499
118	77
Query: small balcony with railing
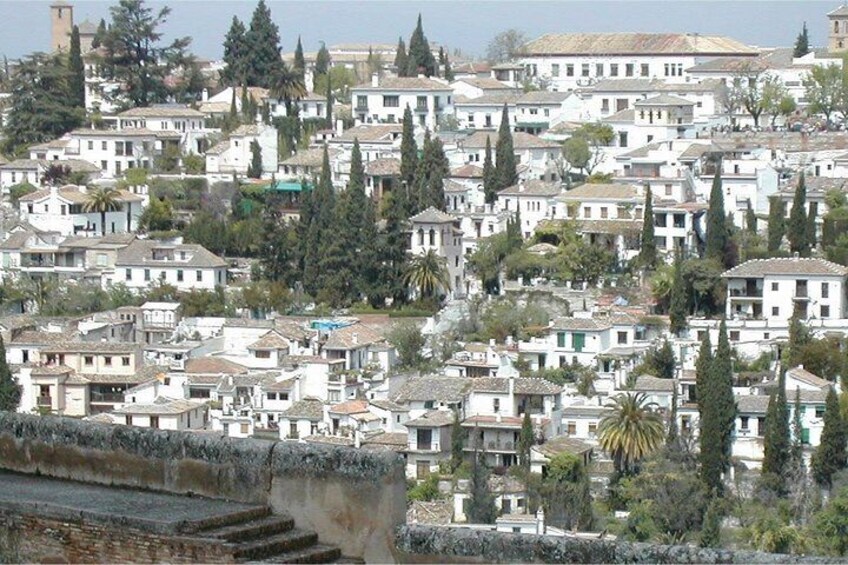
44	401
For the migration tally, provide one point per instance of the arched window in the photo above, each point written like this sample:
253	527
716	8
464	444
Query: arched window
432	236
420	237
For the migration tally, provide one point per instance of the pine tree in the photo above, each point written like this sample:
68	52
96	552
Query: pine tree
235	55
526	439
457	442
711	528
797	229
321	229
481	507
420	59
322	64
811	227
802	43
830	455
678	304
717	236
799	337
776	443
401	61
648	253
776	224
254	170
489	179
262	41
750	219
299	59
10	390
408	163
77	71
506	173
722	365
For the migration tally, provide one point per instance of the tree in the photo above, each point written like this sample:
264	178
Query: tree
799	338
457	442
490	187
750	219
526	440
506	46
427	274
97	40
631	432
262	42
254	170
433	168
299	64
481	506
802	43
102	200
506	173
776	442
134	56
10	390
401	60
448	73
322	65
830	525
392	247
236	55
711	529
718	413
823	89
702	371
748	89
420	59
408	163
576	153
565	493
678	303
286	84
797	230
830	455
648	253
38	109
776	224
811	226
585	152
716	223
76	68
158	216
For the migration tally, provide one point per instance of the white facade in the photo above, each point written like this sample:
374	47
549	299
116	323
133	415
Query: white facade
385	99
436	231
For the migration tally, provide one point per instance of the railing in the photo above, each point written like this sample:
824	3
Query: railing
111	397
741	292
45	401
362	108
421	108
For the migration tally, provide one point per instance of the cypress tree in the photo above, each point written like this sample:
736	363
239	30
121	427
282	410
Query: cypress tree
672	438
702	371
432	170
322	64
797	229
811	227
235	54
525	441
802	43
329	101
97	40
401	61
678	306
254	170
830	456
723	367
718	412
393	246
799	337
797	450
10	390
489	180
262	41
776	224
776	443
481	507
457	441
711	529
76	78
716	227
448	74
750	219
408	163
322	229
506	173
420	59
648	253
299	59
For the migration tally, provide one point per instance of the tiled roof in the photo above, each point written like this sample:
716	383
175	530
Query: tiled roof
432	216
383	167
601	192
624	85
161	405
635	44
473	67
371	133
432	419
432	387
75	165
786	266
840	11
306	409
279	386
694	152
91	347
32	337
140	253
664	100
247	130
395	440
271	340
624	116
520	140
404	83
309	157
213	365
51	370
74	195
563	444
467	171
654	384
613	227
533	188
489	421
489	99
803	375
350	407
386	404
485	83
542	97
126	132
730	65
352	337
164	111
752	404
523	385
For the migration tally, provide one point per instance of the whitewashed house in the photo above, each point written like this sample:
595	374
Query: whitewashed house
185	266
385	99
63	210
434	230
235	154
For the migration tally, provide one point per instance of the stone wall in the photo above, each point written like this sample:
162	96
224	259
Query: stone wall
353	499
434	544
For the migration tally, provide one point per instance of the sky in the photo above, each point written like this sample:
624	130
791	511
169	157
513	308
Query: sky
467	25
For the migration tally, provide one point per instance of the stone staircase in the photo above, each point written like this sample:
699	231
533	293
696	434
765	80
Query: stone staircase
263	537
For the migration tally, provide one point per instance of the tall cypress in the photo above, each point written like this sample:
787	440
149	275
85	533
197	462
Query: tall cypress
490	188
776	446
802	43
262	41
830	457
448	74
506	172
393	244
432	170
236	54
718	412
716	224
97	40
702	371
750	219
254	169
678	306
797	450
723	367
299	59
321	229
401	60
648	253
811	227
408	162
797	229
10	390
420	59
322	64
776	224
76	78
329	101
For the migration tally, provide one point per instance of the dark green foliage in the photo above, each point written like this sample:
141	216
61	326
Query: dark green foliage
458	436
409	341
299	64
277	252
481	507
711	528
408	165
236	55
811	226
717	236
322	64
702	369
797	231
76	68
158	216
448	74
799	338
830	455
420	59
802	43
433	167
392	244
38	108
658	362
830	525
134	56
506	173
254	170
490	187
10	390
648	252
401	60
776	224
97	40
679	301
750	219
776	443
718	412
262	42
526	440
565	493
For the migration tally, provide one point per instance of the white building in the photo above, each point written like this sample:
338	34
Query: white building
384	100
433	230
185	266
535	201
164	413
235	154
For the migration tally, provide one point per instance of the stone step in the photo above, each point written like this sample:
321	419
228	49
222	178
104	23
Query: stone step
254	529
223	520
291	541
317	553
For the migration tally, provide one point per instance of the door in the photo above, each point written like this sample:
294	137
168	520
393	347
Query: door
579	341
422	469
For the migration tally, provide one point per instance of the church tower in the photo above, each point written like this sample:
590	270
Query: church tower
61	25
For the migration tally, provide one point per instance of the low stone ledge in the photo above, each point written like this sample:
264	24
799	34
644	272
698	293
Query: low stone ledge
426	544
293	459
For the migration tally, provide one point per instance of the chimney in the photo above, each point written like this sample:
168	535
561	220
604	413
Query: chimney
204	96
339	127
491	343
421	75
355	338
375	80
521	186
511	389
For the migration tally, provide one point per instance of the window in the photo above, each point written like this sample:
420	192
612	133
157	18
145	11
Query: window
428	404
825	290
774	286
569	70
587	212
605	105
766	335
571	428
593	429
129	274
560	339
613	70
107	361
146	275
584	71
496	405
262	354
622	139
88	360
629	69
555	70
599	69
125	361
245	427
734	335
391	101
743	423
154	422
645	71
128	419
91	145
825	311
179	275
622	338
361	102
668	190
775	311
604	212
819	412
104	146
199	275
578	341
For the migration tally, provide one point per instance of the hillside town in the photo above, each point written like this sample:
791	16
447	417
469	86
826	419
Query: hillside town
589	284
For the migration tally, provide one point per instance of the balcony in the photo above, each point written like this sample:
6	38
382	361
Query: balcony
361	108
45	401
422	108
745	293
107	397
494	446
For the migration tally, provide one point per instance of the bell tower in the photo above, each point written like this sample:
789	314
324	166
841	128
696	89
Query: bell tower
61	24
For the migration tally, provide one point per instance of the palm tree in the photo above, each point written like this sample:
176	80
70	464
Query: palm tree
104	199
287	85
632	431
427	273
